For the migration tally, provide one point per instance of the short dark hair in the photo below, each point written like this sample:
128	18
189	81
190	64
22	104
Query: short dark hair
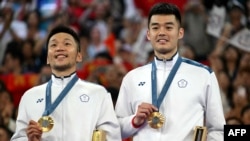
64	29
164	8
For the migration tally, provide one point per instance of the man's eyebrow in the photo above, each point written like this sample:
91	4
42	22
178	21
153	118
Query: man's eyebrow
167	23
65	39
53	40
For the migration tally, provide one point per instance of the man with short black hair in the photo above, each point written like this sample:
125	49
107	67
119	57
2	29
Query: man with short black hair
66	108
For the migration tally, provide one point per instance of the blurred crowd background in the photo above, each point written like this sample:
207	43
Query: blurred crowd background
113	41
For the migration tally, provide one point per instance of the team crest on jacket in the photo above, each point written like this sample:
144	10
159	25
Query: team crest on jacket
84	98
182	83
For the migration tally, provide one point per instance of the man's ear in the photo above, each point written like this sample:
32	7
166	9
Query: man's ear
148	37
79	57
47	61
181	33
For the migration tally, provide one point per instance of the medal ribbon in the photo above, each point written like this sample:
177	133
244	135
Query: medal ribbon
157	102
49	108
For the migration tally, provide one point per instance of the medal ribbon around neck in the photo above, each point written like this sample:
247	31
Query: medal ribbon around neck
49	108
157	102
156	119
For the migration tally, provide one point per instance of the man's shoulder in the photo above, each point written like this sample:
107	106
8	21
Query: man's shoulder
91	85
197	65
37	88
140	69
34	92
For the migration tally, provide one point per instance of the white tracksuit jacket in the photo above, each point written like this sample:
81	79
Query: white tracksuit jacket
85	108
192	99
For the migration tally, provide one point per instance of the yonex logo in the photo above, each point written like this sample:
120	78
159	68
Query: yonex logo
141	83
39	100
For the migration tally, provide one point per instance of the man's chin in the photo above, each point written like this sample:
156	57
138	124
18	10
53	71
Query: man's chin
61	67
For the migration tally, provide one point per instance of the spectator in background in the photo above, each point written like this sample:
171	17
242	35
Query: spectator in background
29	62
233	121
96	44
245	60
16	81
5	133
225	87
240	99
75	9
114	75
231	58
195	32
187	51
215	61
245	114
134	35
150	57
33	21
247	6
44	74
233	25
217	14
21	8
94	69
11	29
126	57
49	9
2	86
7	110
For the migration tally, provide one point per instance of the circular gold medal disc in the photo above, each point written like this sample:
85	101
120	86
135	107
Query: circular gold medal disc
156	120
46	123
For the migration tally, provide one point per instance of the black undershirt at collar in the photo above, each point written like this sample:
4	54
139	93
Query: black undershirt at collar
64	76
165	59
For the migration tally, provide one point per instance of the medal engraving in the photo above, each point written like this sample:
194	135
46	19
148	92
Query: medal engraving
156	120
46	123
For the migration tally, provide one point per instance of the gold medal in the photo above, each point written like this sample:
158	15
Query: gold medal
156	120
46	123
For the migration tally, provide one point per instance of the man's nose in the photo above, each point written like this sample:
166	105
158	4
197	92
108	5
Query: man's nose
162	32
60	47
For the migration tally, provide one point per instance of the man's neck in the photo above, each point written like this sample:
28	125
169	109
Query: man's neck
63	74
167	57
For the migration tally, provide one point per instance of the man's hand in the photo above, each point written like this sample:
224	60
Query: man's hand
143	111
34	131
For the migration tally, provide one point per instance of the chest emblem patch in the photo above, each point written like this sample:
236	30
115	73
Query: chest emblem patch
182	83
84	98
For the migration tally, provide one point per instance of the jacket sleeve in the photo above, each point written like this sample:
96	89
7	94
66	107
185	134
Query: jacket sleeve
125	110
215	119
107	120
21	124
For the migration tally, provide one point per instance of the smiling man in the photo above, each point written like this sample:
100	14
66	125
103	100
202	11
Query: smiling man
65	108
179	95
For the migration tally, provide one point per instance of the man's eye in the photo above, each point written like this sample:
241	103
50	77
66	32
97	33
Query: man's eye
53	45
67	44
169	27
154	28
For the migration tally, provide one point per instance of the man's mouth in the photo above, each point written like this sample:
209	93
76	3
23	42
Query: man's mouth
61	56
162	41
